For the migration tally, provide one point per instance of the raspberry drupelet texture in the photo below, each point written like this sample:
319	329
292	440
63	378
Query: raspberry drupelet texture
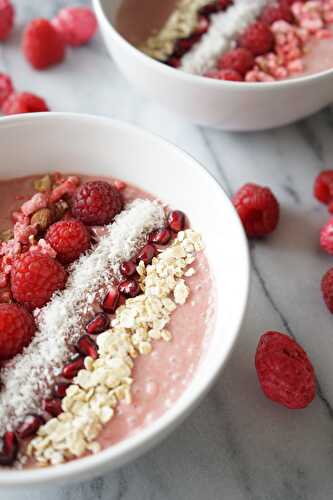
69	238
96	203
257	38
17	328
327	289
7	14
24	102
326	237
284	370
278	12
6	87
34	279
323	187
76	25
240	60
42	45
258	210
225	74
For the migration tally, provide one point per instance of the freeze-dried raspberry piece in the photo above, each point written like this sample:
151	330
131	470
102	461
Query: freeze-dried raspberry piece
257	38
240	60
24	102
42	45
76	25
7	14
284	371
327	289
323	186
17	328
6	87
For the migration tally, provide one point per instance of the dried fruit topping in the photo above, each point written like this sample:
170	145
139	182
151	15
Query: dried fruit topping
284	371
111	300
147	253
29	426
6	85
96	203
99	324
120	185
17	328
43	184
176	220
10	449
327	289
258	38
52	406
72	368
76	25
42	219
24	102
128	268
34	279
64	188
7	14
326	237
240	60
129	288
323	187
69	238
42	45
258	210
38	201
87	346
59	390
6	235
160	236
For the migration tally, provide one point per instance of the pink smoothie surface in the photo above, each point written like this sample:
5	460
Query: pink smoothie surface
161	377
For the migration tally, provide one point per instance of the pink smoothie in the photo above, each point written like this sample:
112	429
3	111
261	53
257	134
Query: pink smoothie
319	56
161	377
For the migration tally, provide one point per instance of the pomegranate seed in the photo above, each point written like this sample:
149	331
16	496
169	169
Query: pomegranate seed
202	26
176	220
183	45
174	62
130	288
160	236
111	300
87	346
98	325
147	254
72	368
128	268
120	185
209	9
52	406
59	390
10	449
30	426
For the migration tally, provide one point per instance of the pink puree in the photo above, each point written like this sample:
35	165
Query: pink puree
320	56
162	376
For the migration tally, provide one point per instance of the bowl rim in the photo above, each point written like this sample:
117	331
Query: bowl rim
155	432
189	77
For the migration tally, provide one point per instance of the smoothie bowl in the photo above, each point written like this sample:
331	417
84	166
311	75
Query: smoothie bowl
121	298
232	64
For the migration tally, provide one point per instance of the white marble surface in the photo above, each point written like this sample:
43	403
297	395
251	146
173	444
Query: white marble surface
237	445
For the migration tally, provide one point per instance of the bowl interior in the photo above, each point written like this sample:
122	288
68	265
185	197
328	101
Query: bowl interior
98	146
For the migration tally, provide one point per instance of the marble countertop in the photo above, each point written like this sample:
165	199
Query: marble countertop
237	445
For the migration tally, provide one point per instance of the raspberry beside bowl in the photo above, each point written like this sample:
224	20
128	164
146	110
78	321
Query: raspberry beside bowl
215	103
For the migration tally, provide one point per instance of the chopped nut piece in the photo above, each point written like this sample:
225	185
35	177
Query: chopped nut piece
43	218
6	235
44	184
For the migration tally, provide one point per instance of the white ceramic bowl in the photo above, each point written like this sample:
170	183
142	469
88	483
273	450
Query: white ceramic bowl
91	145
221	104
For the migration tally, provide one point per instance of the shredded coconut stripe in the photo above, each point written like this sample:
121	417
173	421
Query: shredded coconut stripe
27	379
224	28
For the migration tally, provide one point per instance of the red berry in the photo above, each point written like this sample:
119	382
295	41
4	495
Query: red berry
6	87
71	369
258	38
176	220
23	102
52	406
96	203
128	268
7	14
326	237
147	253
42	45
284	371
258	210
280	12
111	300
10	449
129	288
240	60
76	25
17	328
69	238
59	390
34	279
327	289
160	236
230	75
323	186
29	426
98	325
87	346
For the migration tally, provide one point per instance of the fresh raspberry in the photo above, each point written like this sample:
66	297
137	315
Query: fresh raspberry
224	74
258	38
7	14
326	237
96	203
34	279
279	12
284	371
327	289
24	102
258	210
6	87
16	330
69	239
323	187
76	25
42	45
240	60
